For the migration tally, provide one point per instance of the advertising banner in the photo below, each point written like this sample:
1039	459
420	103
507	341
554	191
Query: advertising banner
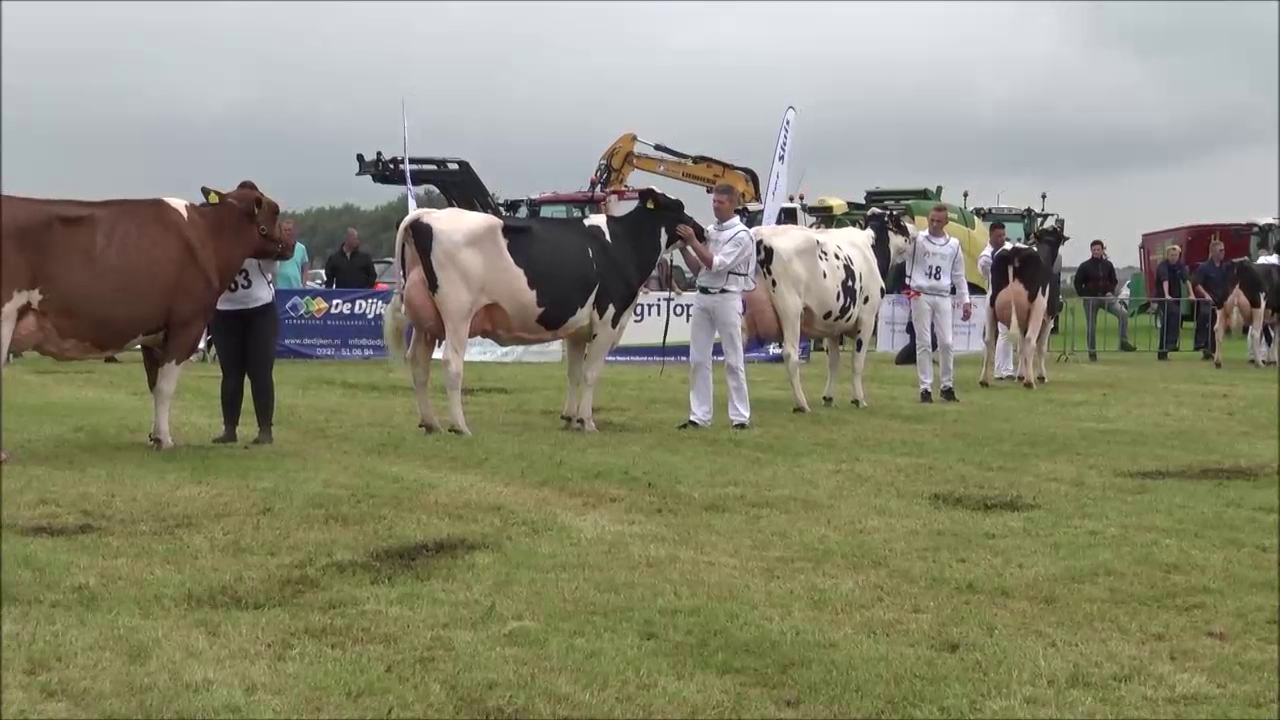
327	324
895	310
642	340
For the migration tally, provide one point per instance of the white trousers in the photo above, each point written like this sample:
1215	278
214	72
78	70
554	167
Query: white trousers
931	314
714	314
1004	352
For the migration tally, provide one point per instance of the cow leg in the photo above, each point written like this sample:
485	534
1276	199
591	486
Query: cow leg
861	344
790	310
1035	323
833	368
420	349
1259	344
162	395
592	365
1219	330
151	364
988	346
8	321
575	356
1042	350
455	353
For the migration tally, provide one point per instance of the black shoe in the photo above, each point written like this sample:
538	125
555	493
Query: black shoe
688	424
1126	346
1093	357
926	396
227	436
1162	356
264	438
741	426
949	394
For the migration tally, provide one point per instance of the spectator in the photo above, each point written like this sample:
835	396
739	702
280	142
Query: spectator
1172	285
1095	283
349	267
1210	286
292	273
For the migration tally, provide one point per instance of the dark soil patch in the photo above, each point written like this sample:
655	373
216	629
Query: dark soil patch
411	560
485	390
56	529
982	502
1209	473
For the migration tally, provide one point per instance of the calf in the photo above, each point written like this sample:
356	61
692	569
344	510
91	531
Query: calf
1253	289
522	282
821	284
1024	296
89	279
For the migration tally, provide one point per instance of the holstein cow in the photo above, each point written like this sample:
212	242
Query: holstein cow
522	282
1024	295
1254	290
821	284
88	279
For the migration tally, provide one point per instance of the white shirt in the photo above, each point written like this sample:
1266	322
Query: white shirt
1272	259
253	286
935	264
733	255
986	258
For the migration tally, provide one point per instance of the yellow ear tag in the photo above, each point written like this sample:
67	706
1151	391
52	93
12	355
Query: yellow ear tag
649	205
213	198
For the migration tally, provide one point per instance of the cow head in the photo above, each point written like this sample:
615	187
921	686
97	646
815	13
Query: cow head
891	231
666	212
254	220
1234	269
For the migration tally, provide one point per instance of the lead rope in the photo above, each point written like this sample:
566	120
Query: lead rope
666	326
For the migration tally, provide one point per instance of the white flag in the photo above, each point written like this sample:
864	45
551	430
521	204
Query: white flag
776	189
408	183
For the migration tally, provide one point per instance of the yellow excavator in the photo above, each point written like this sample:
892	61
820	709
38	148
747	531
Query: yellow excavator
621	159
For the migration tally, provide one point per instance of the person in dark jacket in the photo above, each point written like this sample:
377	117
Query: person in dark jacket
1210	287
1095	282
1172	284
349	267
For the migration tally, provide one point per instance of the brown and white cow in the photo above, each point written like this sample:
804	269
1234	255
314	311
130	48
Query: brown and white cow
86	279
523	281
821	283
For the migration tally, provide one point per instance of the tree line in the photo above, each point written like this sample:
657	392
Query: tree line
322	229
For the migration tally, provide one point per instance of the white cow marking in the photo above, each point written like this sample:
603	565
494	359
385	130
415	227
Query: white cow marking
9	317
166	382
179	205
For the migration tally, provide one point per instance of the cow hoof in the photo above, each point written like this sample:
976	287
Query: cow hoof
1041	379
4	457
1217	364
459	431
858	403
429	428
157	445
800	410
984	383
1028	385
1022	378
828	402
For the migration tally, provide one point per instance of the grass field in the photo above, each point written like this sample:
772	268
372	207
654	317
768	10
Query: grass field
1103	546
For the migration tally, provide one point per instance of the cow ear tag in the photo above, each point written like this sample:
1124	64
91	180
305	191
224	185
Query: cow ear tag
212	198
649	204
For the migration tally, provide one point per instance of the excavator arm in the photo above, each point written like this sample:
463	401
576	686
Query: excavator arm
621	159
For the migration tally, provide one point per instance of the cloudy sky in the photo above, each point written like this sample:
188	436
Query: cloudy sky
1132	116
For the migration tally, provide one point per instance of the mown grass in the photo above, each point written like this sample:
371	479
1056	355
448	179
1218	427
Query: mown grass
1103	546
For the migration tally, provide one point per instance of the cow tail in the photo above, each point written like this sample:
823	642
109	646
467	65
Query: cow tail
394	321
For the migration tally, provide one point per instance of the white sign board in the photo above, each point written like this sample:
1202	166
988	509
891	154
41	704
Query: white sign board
895	310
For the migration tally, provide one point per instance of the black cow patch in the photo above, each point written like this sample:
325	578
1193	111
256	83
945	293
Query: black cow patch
423	236
826	315
764	257
881	293
848	291
866	299
564	260
857	344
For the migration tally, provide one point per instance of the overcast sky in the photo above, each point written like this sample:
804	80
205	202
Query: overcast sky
1133	116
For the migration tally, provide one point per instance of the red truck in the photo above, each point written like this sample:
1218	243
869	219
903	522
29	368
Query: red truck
1239	239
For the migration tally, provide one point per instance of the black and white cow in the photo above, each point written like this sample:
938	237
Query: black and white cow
522	282
1025	296
1254	290
821	283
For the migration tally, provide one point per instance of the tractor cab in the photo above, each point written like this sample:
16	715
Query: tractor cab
577	204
